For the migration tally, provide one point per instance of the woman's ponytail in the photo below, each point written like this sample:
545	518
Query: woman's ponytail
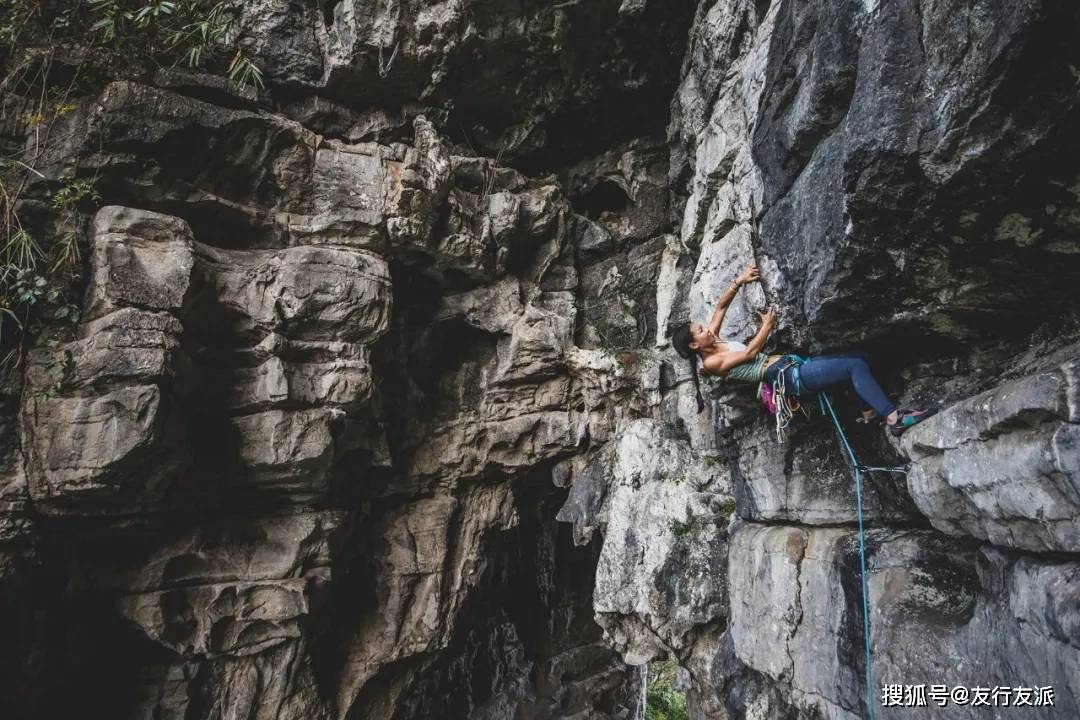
680	340
697	383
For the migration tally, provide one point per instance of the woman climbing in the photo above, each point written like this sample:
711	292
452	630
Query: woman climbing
734	360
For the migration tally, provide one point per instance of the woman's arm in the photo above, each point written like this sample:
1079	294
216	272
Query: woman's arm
723	362
768	322
748	275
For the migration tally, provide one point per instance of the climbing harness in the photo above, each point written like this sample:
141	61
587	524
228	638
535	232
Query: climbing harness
782	401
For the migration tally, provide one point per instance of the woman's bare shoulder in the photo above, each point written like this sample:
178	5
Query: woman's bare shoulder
712	364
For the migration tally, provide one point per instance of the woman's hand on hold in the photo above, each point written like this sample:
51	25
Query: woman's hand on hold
749	275
768	318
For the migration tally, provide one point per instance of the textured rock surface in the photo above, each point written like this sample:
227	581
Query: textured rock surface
370	411
102	430
1003	465
662	570
298	458
901	174
796	616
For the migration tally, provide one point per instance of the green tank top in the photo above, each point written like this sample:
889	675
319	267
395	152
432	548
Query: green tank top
750	371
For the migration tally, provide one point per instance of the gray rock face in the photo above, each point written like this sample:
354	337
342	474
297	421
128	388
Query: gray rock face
884	167
947	613
1003	465
664	508
527	78
307	424
102	429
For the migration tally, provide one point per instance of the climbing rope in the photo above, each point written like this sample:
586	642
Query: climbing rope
825	403
785	408
785	411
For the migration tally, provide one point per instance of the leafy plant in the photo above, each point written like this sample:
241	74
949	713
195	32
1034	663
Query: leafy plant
27	291
66	200
57	365
201	33
67	252
662	700
186	31
30	288
21	252
245	72
680	529
72	192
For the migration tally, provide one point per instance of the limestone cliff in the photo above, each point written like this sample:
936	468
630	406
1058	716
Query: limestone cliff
905	175
370	412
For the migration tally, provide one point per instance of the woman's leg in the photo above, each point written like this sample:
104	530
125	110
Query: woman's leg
826	370
849	354
868	412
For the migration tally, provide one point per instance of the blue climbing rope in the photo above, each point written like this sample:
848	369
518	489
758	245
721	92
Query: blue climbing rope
825	403
784	411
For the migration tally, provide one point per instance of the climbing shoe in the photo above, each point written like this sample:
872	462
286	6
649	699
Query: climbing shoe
908	418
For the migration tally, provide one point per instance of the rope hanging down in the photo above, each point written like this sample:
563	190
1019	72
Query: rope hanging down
784	410
825	403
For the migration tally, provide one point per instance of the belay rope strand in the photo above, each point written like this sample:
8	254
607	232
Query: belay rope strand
825	403
785	409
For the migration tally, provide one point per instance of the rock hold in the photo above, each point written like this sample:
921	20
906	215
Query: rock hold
1004	465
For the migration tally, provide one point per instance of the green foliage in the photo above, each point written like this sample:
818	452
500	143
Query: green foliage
30	291
21	252
53	57
186	32
29	288
201	32
72	192
662	700
67	252
727	507
115	18
245	72
67	200
679	529
57	365
104	39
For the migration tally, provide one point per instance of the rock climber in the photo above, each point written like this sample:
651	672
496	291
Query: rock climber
734	360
